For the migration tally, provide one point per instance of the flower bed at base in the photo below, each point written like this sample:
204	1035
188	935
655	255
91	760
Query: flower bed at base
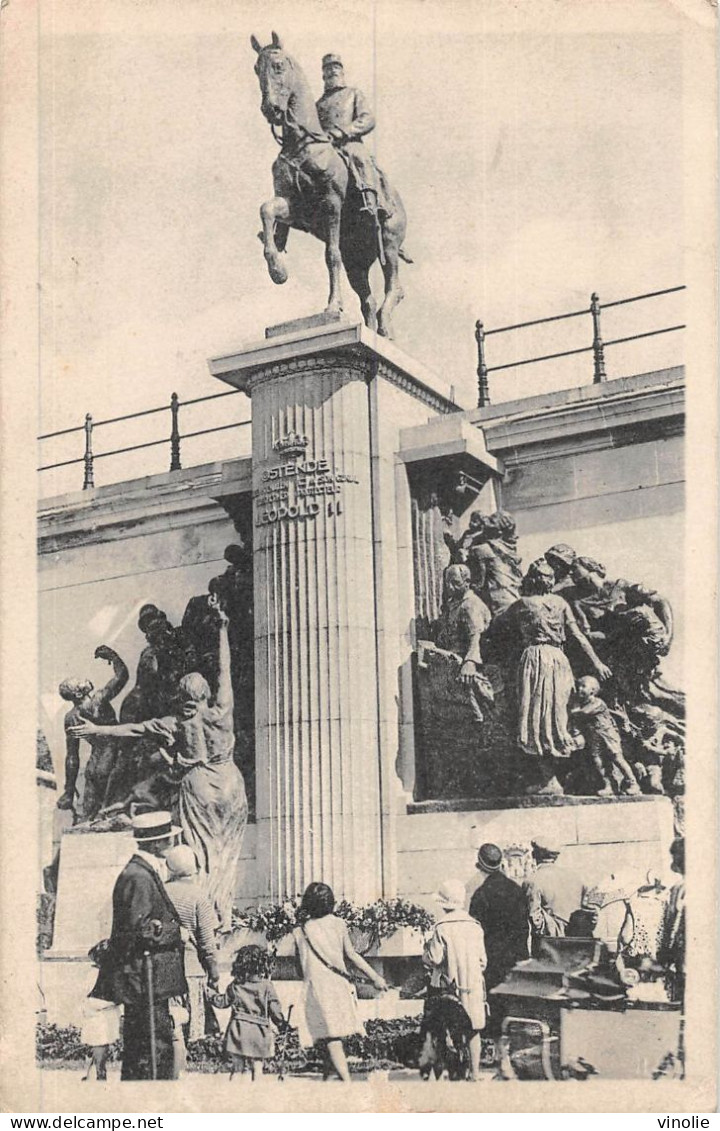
57	1043
369	925
384	1045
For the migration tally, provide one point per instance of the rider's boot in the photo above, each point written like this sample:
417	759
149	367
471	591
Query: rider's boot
370	204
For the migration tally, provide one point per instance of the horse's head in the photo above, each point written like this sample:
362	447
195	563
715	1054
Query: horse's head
276	75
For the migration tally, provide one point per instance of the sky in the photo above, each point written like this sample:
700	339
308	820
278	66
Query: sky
537	149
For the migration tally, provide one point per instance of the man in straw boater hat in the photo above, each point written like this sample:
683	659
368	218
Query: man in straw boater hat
144	964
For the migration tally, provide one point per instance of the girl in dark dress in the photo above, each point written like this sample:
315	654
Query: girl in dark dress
249	1038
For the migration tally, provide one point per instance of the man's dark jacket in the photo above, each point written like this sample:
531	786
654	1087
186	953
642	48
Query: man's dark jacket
144	919
501	909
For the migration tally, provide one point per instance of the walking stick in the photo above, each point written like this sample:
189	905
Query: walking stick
151	1012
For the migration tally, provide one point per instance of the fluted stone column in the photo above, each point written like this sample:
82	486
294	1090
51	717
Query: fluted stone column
317	724
326	683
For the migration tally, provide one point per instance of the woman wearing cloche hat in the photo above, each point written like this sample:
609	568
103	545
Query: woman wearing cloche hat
455	953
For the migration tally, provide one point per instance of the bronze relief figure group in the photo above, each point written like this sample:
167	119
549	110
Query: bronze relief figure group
182	740
544	681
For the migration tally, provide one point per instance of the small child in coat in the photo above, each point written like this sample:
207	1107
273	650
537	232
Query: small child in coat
100	1020
249	1038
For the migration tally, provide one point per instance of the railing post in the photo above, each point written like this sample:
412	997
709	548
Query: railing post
482	372
88	479
175	464
598	347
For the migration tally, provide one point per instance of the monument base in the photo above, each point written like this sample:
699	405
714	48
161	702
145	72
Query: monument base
623	837
64	985
437	840
88	867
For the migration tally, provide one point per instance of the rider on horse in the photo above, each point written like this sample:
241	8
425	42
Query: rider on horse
346	116
326	183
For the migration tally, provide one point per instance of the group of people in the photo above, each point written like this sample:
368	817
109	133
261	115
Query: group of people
160	965
565	660
472	952
161	960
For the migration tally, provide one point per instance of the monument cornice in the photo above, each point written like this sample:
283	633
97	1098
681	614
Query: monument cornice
445	438
361	354
354	365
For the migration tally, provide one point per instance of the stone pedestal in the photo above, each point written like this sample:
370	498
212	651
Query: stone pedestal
329	546
88	867
601	837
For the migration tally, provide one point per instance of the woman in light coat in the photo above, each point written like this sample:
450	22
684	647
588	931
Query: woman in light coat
330	1003
455	953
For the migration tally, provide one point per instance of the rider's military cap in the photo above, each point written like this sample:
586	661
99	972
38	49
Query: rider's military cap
328	60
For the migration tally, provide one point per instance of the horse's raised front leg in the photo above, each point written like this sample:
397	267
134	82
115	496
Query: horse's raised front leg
275	211
332	208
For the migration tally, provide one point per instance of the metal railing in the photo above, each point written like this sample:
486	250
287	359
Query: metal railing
598	346
174	439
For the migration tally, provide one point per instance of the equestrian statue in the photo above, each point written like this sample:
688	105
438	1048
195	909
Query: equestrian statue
327	183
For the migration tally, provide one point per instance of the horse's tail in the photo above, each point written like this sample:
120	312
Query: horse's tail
404	256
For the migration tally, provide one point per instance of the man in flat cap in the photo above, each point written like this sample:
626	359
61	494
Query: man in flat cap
346	116
553	891
143	967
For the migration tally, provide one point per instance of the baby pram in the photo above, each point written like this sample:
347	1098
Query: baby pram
444	1034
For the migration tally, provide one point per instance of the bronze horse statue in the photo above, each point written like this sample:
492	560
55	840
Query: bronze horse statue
315	192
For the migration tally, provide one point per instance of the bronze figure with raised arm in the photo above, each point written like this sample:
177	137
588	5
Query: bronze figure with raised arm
95	706
212	805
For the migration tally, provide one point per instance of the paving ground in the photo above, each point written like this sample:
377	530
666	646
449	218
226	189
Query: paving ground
394	1074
